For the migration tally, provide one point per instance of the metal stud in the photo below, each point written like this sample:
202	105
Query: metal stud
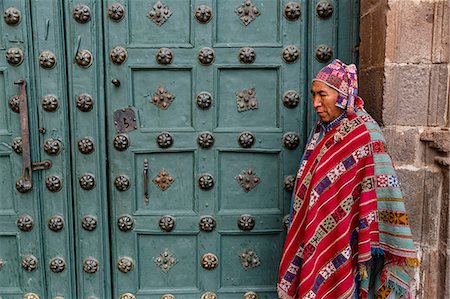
2	263
159	14
23	186
84	58
166	260
163	180
246	139
324	53
29	263
53	183
286	222
116	12
30	296
164	140
122	183
203	14
89	223
162	98
57	265
291	99
204	100
164	56
207	223
47	59
81	13
125	223
90	265
247	12
12	16
250	295
291	140
16	145
205	139
125	264
86	145
25	223
52	147
292	11
209	295
246	222
206	56
249	259
85	103
246	99
209	261
121	142
247	179
56	223
289	182
247	55
14	104
167	223
127	296
168	296
291	54
206	181
118	55
324	9
14	56
87	181
50	103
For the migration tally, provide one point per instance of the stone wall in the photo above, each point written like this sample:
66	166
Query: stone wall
404	80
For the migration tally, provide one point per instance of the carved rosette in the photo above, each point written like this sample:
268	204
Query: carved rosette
86	145
209	261
16	145
203	14
246	139
247	12
324	9
206	56
163	180
25	223
167	223
247	55
50	103
207	223
166	260
52	147
286	222
84	58
164	140
47	59
291	99
289	182
125	223
159	14
291	140
121	142
127	296
250	295
30	296
209	295
116	12
125	264
122	183
162	98
14	56
246	222
12	16
53	183
168	296
89	223
324	53
249	259
57	265
85	103
205	139
56	223
292	11
81	13
204	100
291	54
90	265
164	56
87	181
29	263
118	55
246	99
206	181
23	186
14	104
248	179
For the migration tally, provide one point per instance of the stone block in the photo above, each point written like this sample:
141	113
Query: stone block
439	95
371	83
378	36
403	144
365	43
432	207
441	46
430	274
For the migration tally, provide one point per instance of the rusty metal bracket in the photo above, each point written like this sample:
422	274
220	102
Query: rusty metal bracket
43	165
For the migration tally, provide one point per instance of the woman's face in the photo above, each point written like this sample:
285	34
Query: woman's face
324	99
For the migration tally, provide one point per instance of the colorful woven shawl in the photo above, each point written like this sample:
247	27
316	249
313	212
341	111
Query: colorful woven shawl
349	235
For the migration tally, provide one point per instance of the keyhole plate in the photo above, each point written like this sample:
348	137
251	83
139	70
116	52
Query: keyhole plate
125	120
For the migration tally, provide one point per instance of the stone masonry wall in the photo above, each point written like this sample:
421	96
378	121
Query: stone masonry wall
404	80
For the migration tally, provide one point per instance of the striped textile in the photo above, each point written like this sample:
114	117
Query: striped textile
349	235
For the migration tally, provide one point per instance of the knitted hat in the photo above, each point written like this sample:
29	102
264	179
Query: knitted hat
344	80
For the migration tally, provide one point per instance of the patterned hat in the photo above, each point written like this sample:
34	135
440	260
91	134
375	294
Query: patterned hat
344	80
